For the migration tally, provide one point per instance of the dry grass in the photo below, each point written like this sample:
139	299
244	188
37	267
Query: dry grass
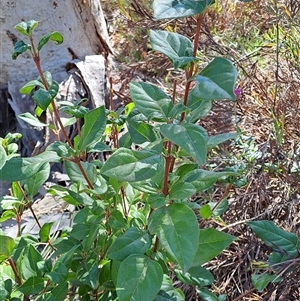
268	65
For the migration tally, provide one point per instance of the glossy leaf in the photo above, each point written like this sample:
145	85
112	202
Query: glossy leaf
60	291
3	156
215	140
157	200
59	273
260	282
205	211
88	273
141	132
7	245
206	295
29	262
33	285
93	128
199	107
45	231
133	166
19	169
26	28
150	100
20	47
215	81
203	179
33	184
211	243
133	241
75	174
54	36
190	137
279	240
28	87
178	48
43	97
168	292
178	235
139	278
32	120
169	9
195	276
48	78
181	191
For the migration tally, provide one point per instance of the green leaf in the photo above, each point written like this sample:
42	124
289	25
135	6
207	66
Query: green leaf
19	169
220	208
203	179
75	174
26	28
116	220
195	276
279	240
215	81
33	285
6	215
48	78
32	120
215	140
42	98
59	274
7	245
68	121
88	273
133	241
33	184
139	278
169	9
177	229
181	190
3	156
45	231
93	128
29	262
62	149
54	36
20	47
151	101
98	147
178	48
190	137
199	107
212	243
205	211
28	87
260	282
156	200
60	292
168	292
141	132
133	166
206	295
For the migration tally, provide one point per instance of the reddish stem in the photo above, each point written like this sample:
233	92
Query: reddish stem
14	268
190	72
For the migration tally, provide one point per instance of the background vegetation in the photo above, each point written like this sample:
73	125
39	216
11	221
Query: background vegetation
134	234
262	39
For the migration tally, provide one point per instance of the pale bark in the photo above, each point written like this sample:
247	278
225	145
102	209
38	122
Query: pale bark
85	48
81	23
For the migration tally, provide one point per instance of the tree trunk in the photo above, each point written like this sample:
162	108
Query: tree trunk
78	64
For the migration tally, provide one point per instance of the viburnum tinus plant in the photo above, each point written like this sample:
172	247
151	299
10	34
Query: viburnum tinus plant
136	228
